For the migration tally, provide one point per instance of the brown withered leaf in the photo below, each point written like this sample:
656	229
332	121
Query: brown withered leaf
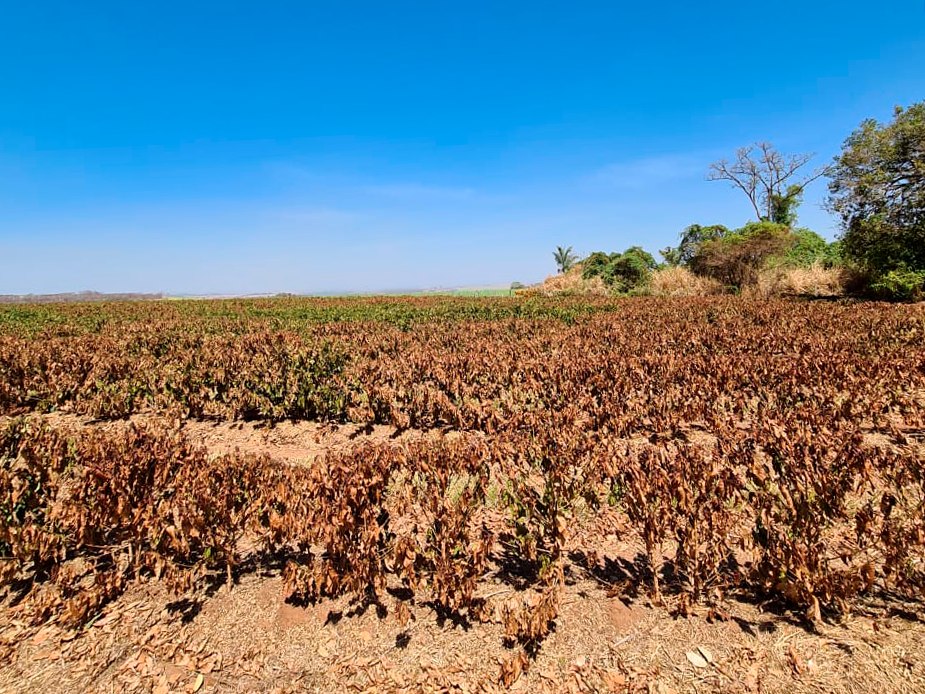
797	663
697	660
513	667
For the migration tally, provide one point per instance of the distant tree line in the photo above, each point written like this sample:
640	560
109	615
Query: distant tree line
876	189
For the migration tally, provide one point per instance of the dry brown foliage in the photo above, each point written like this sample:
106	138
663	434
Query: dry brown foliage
815	280
570	283
679	281
732	436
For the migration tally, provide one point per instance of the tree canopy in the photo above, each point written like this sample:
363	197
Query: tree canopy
691	238
877	189
623	272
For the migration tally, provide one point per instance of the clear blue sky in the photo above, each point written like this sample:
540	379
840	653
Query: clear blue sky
203	147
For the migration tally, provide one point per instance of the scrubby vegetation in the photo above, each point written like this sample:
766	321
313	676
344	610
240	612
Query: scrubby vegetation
877	189
764	257
623	272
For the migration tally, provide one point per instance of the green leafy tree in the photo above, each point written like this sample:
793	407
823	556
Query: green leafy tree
630	270
807	248
641	256
621	271
564	258
690	241
595	264
877	189
784	205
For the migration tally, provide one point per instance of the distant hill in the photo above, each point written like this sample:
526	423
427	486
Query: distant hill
74	297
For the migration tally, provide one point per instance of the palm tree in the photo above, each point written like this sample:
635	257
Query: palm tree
564	258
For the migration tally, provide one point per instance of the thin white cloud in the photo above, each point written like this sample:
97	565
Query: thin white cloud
639	174
316	215
417	191
394	190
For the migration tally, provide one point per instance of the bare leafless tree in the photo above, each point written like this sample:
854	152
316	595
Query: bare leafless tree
764	175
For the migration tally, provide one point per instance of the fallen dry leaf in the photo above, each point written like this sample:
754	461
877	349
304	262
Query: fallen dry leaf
751	679
705	653
814	611
796	660
43	635
697	660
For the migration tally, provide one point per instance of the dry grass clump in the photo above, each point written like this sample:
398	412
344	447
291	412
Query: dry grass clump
568	283
814	280
679	281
